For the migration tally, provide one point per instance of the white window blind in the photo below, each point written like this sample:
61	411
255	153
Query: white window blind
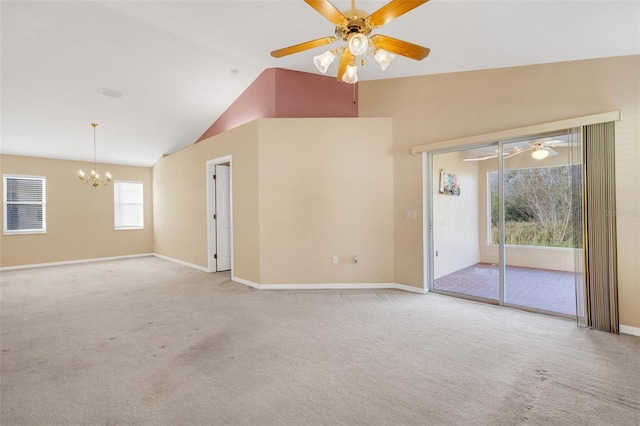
24	204
128	205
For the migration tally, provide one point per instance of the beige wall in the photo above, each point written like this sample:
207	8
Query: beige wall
455	218
326	188
442	107
180	197
304	190
80	223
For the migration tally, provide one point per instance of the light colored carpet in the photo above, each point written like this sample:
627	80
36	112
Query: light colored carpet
146	341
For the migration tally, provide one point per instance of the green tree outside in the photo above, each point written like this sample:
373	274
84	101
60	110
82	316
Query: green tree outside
542	206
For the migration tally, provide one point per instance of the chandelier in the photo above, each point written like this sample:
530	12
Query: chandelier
94	178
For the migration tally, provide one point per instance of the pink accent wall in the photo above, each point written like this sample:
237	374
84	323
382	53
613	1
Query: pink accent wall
280	93
301	94
257	101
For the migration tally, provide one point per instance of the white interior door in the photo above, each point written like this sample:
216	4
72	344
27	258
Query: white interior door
223	218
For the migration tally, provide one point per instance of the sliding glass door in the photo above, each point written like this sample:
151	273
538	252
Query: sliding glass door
509	232
539	208
459	209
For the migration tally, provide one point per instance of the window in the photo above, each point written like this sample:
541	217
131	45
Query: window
24	204
539	207
128	205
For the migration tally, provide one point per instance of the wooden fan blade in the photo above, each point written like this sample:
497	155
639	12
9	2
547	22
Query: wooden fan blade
480	158
329	11
514	153
345	60
555	142
302	46
392	10
403	48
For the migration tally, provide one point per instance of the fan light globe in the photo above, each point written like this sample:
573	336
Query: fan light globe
540	154
323	61
351	74
358	44
383	58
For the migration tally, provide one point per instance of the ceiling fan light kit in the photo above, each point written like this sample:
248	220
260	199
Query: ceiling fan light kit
351	74
353	27
323	61
383	58
540	149
540	153
358	43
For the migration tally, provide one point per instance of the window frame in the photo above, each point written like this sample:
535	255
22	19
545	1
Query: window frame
116	204
5	203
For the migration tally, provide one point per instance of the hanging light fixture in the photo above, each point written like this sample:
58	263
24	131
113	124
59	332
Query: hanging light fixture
94	178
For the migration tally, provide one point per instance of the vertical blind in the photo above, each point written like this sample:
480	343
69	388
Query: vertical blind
600	227
24	204
128	205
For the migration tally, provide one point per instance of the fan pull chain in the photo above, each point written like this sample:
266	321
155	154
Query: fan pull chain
354	93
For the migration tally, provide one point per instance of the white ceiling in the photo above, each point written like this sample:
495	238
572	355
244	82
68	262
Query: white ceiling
180	64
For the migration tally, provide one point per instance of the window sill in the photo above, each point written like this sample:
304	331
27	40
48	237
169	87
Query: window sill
23	232
535	247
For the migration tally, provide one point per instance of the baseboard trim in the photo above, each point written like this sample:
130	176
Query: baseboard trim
329	286
627	329
410	288
245	282
72	262
181	262
315	286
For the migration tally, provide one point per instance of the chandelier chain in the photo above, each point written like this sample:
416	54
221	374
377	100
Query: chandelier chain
95	162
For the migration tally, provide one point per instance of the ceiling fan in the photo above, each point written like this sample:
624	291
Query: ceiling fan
540	149
354	26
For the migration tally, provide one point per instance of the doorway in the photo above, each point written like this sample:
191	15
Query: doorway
505	222
220	214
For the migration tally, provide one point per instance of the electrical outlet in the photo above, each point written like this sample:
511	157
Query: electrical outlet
335	259
437	253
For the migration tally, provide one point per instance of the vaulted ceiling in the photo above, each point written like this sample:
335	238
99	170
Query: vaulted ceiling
179	64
